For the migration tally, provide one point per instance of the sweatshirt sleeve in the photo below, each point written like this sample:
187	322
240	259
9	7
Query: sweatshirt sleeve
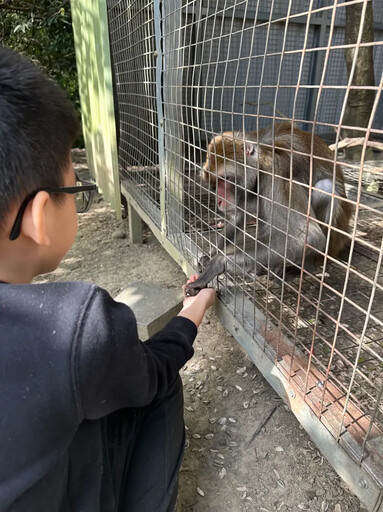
113	368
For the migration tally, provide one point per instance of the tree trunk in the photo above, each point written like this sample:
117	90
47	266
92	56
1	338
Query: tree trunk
360	101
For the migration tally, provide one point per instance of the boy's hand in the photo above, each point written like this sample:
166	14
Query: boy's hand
207	294
195	307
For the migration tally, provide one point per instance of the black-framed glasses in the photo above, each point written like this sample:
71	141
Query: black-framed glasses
84	193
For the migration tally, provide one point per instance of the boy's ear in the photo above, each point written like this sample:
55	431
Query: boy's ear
34	219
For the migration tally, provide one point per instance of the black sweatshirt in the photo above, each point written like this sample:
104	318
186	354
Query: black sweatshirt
69	355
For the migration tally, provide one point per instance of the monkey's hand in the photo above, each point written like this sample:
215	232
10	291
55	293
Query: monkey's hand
191	289
217	265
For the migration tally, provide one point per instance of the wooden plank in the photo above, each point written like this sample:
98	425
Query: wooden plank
91	36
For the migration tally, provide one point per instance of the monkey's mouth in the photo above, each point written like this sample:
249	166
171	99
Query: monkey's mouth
223	203
225	194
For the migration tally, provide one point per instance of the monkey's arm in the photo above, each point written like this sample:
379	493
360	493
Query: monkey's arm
218	265
231	233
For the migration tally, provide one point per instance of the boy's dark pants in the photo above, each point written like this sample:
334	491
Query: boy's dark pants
143	451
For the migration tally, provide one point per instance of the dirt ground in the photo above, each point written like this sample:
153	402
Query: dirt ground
245	450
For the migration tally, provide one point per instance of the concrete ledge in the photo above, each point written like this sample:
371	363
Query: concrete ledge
153	306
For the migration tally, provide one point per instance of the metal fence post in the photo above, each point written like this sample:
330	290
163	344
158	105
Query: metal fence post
172	80
160	114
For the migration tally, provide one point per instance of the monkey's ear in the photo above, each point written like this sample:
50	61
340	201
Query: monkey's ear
249	149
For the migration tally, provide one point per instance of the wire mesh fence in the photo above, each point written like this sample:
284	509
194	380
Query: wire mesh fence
132	42
297	220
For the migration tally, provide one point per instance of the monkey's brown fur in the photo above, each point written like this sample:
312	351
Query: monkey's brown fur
265	177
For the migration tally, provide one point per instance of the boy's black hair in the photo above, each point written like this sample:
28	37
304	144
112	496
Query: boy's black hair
38	126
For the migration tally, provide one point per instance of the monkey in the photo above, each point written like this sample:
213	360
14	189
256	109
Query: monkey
283	180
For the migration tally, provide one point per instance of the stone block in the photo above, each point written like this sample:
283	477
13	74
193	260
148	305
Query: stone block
153	305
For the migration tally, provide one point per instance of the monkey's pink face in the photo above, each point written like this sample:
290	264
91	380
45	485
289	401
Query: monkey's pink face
224	168
221	177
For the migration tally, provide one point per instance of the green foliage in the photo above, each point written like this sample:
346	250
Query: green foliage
42	31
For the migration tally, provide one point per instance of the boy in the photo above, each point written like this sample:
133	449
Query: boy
91	418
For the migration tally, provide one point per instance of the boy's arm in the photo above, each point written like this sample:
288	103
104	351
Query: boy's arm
114	369
195	307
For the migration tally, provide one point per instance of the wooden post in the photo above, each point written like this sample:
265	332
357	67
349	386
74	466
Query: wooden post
135	226
91	36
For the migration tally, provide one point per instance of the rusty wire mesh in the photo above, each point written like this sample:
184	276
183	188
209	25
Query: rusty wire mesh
246	65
